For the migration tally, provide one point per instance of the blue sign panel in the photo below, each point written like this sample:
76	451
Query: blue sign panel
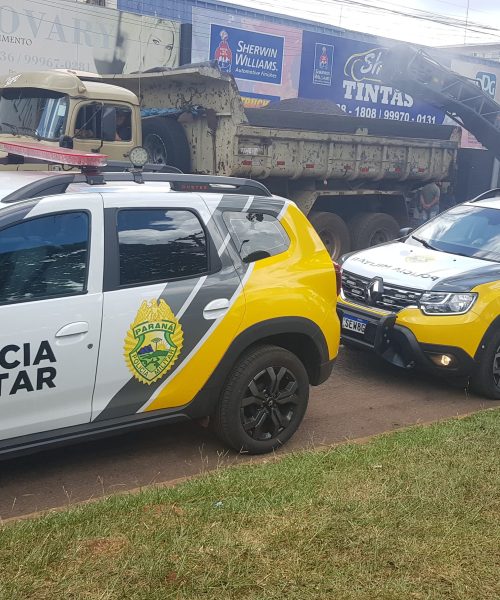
246	54
488	82
353	81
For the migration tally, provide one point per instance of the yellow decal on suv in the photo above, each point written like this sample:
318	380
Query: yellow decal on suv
153	342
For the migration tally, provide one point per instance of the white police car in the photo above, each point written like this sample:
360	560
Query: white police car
130	299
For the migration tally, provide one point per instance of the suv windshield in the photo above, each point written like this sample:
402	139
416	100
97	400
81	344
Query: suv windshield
467	230
33	112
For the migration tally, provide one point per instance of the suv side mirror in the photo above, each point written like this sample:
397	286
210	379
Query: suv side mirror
405	231
108	124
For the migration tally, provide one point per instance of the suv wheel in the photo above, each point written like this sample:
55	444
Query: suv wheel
486	379
263	401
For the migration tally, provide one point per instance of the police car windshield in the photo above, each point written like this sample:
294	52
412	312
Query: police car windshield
37	113
472	231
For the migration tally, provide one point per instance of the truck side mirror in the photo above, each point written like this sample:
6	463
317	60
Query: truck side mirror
108	124
405	231
66	141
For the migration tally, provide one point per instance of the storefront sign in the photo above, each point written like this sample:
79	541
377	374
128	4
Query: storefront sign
247	54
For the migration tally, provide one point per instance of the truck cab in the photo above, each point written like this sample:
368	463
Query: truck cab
62	108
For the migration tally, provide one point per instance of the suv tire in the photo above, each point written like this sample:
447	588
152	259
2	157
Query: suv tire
484	380
263	401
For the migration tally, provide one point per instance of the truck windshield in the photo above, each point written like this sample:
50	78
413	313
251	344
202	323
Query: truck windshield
34	112
467	230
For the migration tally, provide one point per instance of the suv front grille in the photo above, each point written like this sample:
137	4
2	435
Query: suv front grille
393	298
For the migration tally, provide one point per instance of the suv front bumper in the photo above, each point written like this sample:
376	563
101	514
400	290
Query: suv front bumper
397	344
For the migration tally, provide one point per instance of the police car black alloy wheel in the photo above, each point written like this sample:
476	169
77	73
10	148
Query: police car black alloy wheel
264	400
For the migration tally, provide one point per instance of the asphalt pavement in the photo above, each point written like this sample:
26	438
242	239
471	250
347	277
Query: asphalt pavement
364	396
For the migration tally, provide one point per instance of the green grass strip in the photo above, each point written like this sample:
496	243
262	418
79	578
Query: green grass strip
410	515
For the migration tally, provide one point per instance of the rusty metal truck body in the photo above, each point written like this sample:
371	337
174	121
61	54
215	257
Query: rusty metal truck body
351	175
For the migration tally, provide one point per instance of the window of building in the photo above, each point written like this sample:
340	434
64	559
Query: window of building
157	245
257	235
44	257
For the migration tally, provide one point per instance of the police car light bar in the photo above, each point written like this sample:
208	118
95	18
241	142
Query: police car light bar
63	156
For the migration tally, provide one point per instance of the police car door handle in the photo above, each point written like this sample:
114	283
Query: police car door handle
216	308
78	328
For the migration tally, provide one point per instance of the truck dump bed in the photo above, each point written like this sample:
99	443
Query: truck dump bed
263	143
344	149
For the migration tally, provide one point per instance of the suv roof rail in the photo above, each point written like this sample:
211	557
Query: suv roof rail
124	165
57	184
488	194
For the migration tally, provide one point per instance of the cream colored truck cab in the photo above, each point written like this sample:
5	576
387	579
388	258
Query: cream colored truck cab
62	108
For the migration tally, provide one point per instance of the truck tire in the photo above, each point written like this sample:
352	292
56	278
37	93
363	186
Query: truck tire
165	140
333	232
263	401
370	229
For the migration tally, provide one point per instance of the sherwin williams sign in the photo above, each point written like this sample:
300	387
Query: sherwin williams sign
262	55
68	35
246	54
323	64
351	79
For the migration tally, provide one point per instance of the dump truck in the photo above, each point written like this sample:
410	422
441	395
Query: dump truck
351	176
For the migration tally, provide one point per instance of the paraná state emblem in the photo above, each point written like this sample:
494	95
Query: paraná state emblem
153	342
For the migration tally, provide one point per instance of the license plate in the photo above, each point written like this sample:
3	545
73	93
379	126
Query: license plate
354	324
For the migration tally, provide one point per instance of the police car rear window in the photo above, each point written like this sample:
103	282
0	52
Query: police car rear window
256	235
158	245
44	257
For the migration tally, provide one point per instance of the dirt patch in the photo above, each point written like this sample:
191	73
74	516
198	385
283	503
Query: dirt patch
105	546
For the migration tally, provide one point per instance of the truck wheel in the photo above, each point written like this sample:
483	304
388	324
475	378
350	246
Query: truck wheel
263	401
333	232
486	380
370	229
166	143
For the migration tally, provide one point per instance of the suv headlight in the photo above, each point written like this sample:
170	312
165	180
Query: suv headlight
441	303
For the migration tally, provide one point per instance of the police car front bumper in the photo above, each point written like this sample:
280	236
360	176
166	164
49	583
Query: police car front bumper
397	344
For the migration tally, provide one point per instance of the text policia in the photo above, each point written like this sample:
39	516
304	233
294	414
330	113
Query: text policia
14	362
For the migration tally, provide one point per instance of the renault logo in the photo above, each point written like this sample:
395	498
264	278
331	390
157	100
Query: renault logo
375	290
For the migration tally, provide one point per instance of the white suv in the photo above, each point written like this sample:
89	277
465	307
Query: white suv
131	299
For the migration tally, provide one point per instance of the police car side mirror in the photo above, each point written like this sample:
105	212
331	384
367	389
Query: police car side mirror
405	231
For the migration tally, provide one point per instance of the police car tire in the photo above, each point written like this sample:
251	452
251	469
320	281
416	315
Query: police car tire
330	226
364	225
172	134
226	421
482	379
